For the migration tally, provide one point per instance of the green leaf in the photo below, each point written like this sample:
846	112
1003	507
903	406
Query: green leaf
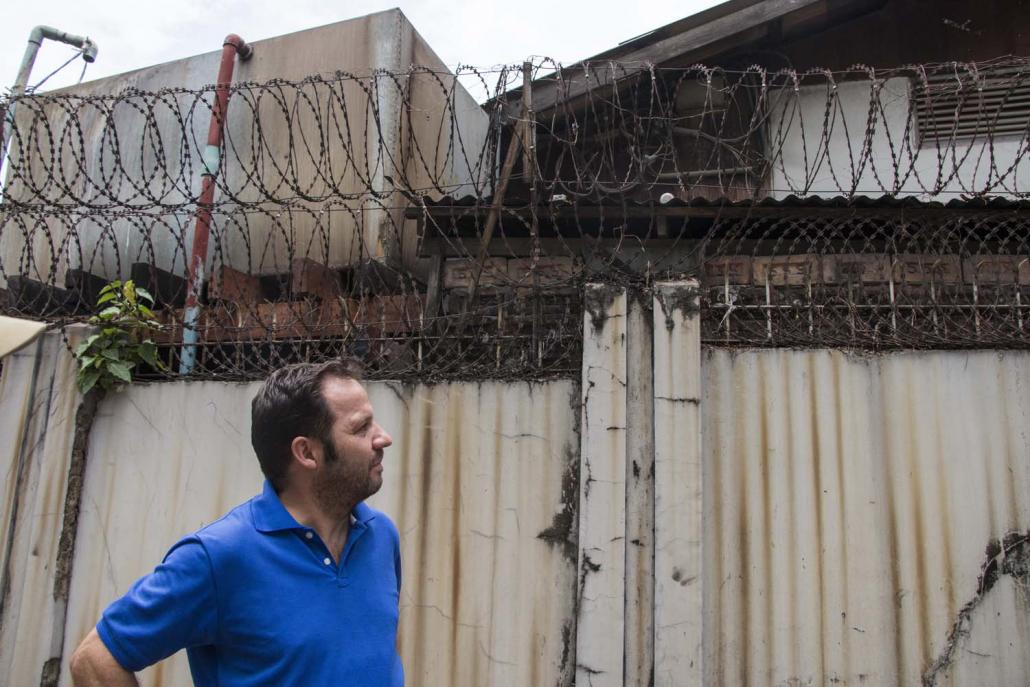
108	358
121	370
147	352
81	349
88	379
111	287
143	294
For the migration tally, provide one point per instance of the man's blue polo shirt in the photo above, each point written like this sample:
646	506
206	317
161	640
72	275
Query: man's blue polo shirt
256	599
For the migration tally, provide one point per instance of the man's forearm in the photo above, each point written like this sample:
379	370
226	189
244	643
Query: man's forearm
92	665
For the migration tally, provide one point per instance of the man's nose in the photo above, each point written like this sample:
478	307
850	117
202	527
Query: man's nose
383	440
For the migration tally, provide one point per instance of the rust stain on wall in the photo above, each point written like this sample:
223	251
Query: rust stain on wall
846	495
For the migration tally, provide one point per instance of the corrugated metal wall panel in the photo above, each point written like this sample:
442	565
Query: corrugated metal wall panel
485	470
16	400
37	428
851	505
600	637
679	486
164	460
849	502
475	475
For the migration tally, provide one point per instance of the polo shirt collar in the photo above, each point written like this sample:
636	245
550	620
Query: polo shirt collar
270	515
363	513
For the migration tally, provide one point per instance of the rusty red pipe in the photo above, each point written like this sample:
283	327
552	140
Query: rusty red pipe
232	46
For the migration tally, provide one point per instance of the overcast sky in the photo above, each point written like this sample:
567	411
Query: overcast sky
141	33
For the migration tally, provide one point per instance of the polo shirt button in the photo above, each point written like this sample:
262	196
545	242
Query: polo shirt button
326	561
308	535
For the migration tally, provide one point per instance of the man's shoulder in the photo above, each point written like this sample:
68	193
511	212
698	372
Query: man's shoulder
379	520
230	529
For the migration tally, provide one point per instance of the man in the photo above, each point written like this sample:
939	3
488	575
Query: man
299	585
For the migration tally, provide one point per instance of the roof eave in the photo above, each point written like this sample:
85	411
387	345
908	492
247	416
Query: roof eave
703	36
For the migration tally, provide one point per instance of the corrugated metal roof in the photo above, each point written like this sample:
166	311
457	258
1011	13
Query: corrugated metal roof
464	217
701	36
884	202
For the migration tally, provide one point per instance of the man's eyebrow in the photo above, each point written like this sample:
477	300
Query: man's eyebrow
360	418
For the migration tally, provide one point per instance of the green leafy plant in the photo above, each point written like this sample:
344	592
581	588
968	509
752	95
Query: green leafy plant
107	358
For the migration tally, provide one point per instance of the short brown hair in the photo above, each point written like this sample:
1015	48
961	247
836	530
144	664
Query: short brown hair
290	404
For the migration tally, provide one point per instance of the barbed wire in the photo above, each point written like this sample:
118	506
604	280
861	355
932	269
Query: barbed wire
389	215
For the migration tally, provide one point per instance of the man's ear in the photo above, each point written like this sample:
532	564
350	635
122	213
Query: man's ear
306	452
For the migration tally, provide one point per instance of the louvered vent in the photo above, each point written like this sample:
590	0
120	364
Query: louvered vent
966	106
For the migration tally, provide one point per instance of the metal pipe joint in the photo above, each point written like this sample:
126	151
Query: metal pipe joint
84	43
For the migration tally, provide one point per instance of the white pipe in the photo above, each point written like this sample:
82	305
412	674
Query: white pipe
36	37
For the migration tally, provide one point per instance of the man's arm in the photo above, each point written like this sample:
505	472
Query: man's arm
172	608
93	665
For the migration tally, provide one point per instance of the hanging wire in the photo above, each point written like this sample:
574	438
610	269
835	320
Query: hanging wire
82	75
67	62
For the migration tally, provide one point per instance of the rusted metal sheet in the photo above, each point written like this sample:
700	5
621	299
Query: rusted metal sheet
38	401
602	492
678	658
481	481
849	502
485	501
